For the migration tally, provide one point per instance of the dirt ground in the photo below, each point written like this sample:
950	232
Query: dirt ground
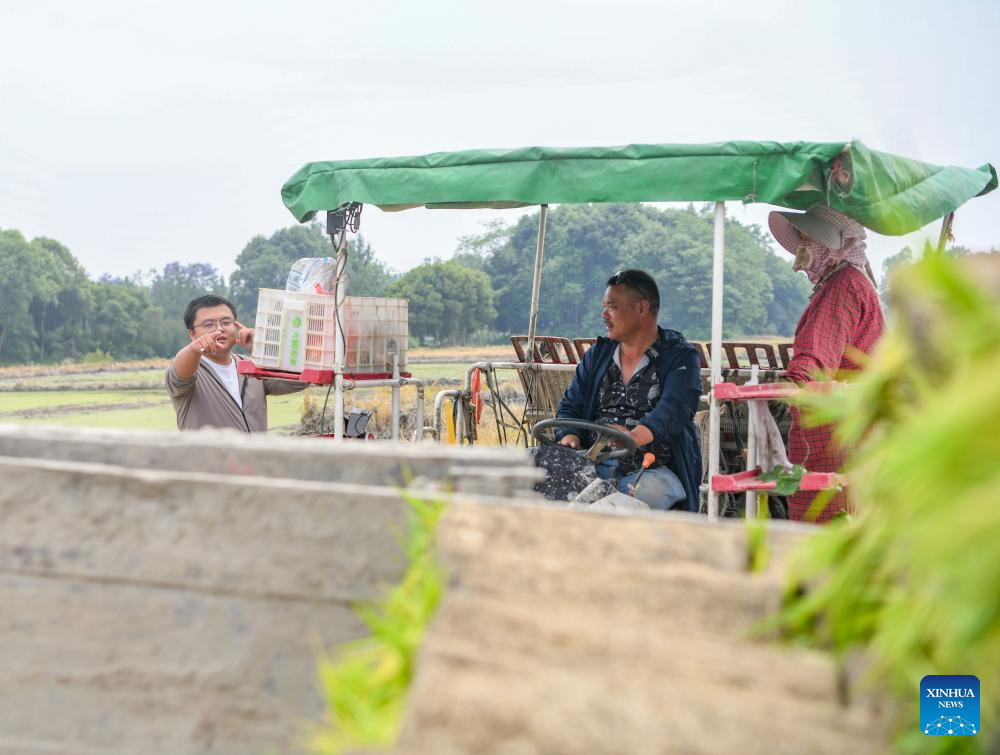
461	353
15	372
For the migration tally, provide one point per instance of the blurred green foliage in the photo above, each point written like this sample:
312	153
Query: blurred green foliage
365	682
914	578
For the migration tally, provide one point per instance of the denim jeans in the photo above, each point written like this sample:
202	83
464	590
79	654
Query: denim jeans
659	488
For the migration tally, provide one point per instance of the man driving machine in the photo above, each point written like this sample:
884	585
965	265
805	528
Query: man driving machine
638	388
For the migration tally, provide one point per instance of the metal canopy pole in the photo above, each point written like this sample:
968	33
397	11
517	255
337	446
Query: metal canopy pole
750	508
395	398
718	256
340	348
537	282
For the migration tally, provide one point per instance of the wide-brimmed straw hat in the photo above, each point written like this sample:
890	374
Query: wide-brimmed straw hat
820	222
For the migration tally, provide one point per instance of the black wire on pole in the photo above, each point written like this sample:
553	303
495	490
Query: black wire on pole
322	416
338	223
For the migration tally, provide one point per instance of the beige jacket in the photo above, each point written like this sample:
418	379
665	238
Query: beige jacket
203	401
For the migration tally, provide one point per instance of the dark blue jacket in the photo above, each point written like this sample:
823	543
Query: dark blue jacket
673	416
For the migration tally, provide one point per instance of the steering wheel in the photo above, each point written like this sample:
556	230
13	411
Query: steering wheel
604	434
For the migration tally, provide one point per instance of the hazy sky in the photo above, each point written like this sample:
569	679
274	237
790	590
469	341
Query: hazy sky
142	132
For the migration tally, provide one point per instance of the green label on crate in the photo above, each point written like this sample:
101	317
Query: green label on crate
296	341
293	342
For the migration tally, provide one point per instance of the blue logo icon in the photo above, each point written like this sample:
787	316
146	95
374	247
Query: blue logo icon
949	705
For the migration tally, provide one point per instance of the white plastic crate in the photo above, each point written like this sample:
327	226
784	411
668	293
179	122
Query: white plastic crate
294	331
375	328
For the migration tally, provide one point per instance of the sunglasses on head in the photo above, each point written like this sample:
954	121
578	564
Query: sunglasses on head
633	281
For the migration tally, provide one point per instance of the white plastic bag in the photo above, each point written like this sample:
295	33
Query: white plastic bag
312	275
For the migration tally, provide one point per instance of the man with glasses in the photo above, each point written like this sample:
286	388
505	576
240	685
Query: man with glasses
202	380
645	380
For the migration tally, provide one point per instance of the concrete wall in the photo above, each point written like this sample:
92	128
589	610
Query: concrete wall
165	593
622	635
231	453
166	603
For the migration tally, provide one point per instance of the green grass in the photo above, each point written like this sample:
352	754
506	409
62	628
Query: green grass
157	416
284	412
84	409
75	400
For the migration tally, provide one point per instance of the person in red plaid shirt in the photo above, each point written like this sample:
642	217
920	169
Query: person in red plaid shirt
843	318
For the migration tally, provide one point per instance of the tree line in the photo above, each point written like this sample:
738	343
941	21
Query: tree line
51	310
586	244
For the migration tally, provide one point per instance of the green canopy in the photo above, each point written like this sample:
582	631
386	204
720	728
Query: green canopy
886	193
